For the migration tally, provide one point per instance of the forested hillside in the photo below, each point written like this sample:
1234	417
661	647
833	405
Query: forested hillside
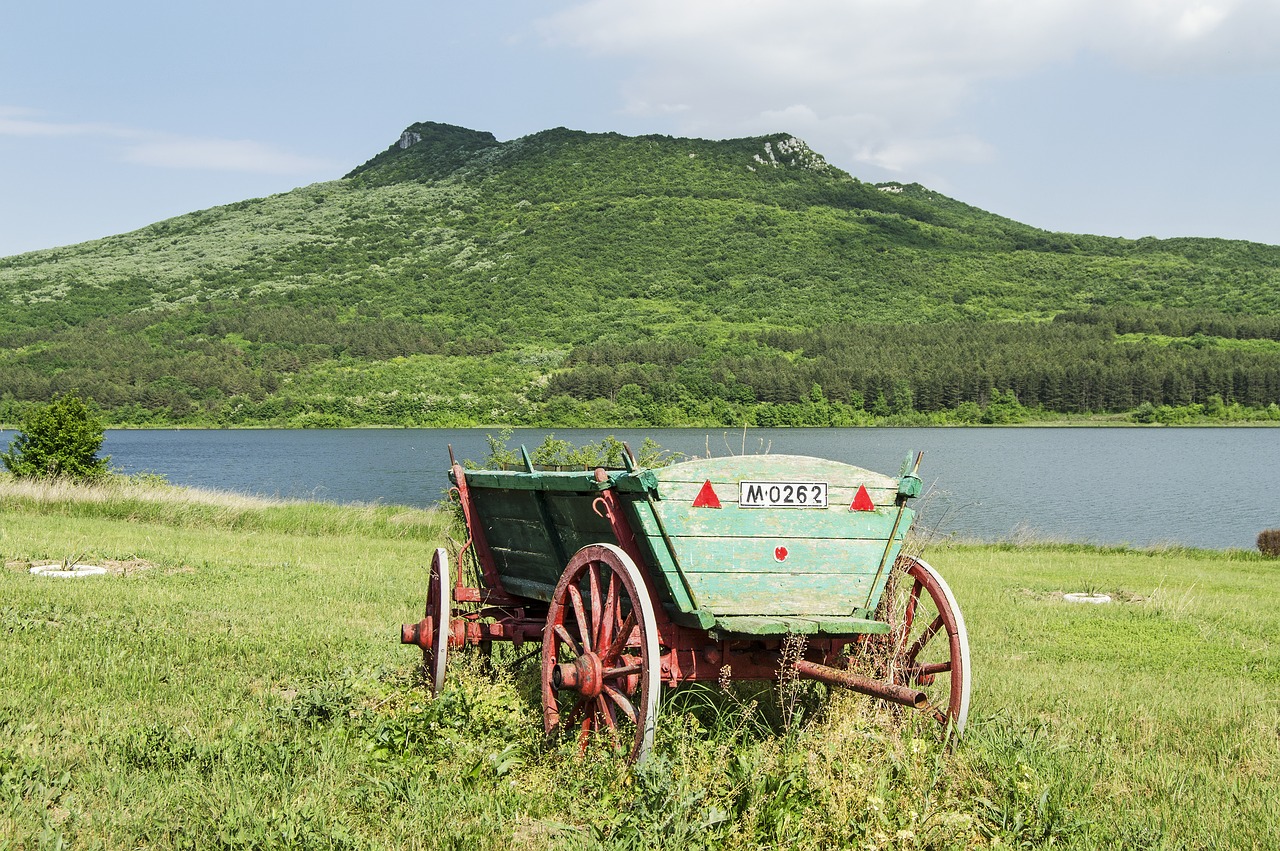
568	278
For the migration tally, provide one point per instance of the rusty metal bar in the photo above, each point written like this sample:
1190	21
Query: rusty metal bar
900	695
608	506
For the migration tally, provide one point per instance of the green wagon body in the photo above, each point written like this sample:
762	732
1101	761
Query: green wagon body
635	579
731	570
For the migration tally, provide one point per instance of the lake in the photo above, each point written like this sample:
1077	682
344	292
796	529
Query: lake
1202	487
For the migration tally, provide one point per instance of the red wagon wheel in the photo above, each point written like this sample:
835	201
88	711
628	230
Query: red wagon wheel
930	647
600	663
432	632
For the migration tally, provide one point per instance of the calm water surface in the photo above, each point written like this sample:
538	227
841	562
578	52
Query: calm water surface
1213	488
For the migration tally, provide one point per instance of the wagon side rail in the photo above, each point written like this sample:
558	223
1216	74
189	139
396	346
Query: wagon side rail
478	542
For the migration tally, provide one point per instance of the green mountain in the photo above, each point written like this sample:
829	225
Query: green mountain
573	278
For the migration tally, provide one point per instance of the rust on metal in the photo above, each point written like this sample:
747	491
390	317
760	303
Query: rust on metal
891	692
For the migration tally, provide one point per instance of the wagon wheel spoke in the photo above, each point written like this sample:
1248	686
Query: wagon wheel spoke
913	600
924	674
621	637
571	719
563	635
606	712
625	705
599	605
612	673
929	670
608	620
925	638
580	615
593	589
617	618
584	735
930	647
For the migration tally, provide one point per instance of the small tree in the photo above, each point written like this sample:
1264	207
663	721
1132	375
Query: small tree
58	440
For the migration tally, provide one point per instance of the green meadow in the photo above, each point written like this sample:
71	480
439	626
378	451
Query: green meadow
236	681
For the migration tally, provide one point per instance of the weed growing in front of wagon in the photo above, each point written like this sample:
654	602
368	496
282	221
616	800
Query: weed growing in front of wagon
726	770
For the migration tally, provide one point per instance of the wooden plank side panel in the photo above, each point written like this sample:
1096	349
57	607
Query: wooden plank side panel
523	553
758	626
578	480
524	535
778	467
517	530
659	560
567	509
574	517
496	506
838	496
779	594
837	522
845	558
523	568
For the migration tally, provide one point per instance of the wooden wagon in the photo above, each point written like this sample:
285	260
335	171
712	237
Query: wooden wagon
635	580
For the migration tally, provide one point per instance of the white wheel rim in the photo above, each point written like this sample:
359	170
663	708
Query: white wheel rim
648	690
649	640
444	609
962	636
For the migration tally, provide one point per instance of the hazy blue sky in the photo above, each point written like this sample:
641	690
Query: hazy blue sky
1119	117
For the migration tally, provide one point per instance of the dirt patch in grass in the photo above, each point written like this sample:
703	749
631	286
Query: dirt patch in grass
113	567
1117	596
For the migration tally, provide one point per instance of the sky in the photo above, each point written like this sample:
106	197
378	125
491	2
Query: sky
1117	117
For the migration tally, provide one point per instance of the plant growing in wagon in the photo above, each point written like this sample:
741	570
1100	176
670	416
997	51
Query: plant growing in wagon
635	580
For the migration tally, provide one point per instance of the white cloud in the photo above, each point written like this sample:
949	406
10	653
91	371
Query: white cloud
220	155
161	150
15	121
885	81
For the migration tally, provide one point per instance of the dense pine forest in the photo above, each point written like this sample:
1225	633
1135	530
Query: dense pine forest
572	279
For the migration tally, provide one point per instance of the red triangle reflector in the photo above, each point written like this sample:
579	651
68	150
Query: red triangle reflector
862	501
707	497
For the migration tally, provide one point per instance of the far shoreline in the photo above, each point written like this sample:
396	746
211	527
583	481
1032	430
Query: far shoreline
1103	421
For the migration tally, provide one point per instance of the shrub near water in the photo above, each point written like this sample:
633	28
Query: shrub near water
58	440
1269	542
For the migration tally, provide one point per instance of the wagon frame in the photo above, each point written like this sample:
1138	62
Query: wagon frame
634	580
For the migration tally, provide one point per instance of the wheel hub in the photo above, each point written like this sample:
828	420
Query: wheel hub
418	633
584	675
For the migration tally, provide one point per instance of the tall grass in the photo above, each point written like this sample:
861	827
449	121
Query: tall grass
247	690
148	500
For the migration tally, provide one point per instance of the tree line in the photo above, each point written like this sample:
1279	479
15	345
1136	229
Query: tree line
1060	366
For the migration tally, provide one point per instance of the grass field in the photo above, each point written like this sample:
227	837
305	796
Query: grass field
237	682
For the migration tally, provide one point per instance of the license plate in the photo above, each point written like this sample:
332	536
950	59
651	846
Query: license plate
782	494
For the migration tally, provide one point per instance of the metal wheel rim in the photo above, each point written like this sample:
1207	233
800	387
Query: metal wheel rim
910	646
565	709
440	609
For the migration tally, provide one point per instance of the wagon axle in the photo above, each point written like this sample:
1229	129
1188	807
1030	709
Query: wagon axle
892	692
